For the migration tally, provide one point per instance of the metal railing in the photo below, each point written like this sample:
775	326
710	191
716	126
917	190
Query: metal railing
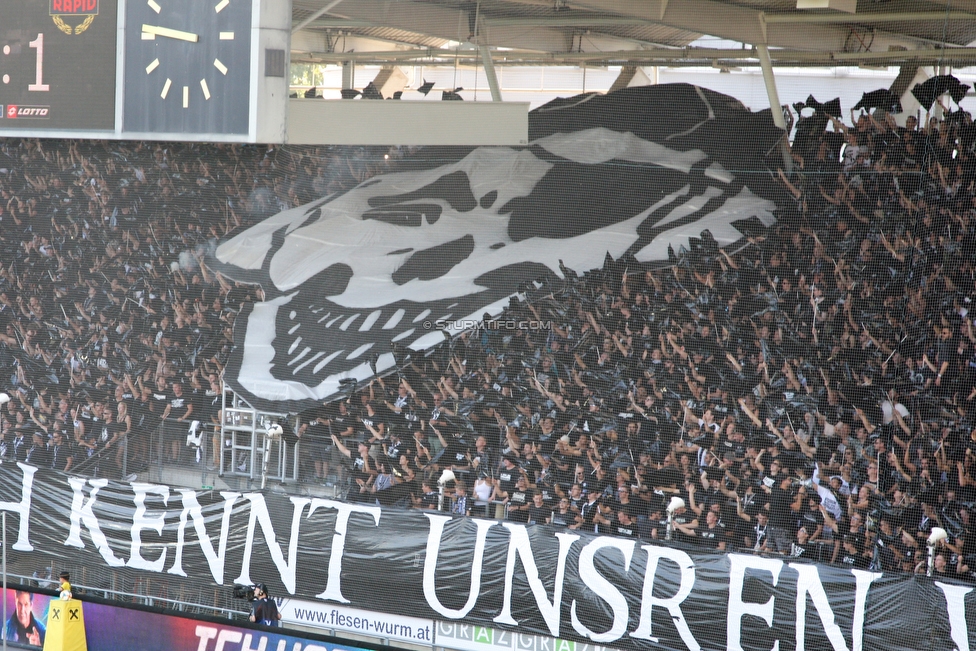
127	586
170	443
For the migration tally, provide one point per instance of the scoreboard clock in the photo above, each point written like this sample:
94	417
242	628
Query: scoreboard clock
57	64
187	66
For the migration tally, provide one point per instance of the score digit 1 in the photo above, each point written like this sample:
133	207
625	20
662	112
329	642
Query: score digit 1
39	84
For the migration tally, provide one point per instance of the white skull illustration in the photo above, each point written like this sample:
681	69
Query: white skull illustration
347	275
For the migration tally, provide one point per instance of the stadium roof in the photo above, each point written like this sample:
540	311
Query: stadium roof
635	32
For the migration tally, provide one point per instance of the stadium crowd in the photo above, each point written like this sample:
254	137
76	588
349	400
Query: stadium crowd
109	322
807	393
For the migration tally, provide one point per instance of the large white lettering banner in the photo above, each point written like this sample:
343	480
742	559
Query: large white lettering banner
591	589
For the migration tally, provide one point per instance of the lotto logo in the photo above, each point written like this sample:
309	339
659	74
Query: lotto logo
15	111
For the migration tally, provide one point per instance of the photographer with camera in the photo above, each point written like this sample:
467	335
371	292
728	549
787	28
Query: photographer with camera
263	608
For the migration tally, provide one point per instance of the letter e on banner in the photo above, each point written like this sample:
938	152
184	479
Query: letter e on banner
738	564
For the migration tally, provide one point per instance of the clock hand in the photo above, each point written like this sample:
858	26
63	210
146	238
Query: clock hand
170	33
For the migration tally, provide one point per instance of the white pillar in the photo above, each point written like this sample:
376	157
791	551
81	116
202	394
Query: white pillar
496	94
774	103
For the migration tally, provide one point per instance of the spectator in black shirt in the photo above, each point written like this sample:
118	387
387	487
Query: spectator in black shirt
508	475
810	517
429	497
712	533
178	408
62	456
685	525
576	498
19	446
143	421
361	469
624	525
564	516
853	553
519	501
110	433
38	454
589	511
803	547
781	516
889	548
316	446
539	513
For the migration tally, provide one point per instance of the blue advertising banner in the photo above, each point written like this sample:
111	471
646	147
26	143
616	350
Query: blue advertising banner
115	628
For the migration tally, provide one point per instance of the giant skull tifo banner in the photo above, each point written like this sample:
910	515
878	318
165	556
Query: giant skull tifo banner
603	590
624	174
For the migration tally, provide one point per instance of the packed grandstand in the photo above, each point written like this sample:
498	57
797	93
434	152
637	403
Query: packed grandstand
806	390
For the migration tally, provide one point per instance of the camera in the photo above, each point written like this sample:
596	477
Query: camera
244	592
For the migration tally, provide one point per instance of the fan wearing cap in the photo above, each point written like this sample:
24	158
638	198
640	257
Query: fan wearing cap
263	609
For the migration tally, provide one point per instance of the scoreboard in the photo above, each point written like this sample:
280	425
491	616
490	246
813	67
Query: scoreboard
160	69
57	64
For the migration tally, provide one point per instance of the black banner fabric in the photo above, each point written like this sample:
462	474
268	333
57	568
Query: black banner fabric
611	591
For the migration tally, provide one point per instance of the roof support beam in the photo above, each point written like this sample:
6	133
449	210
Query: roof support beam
958	5
567	21
731	22
328	7
624	21
667	57
867	19
451	24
